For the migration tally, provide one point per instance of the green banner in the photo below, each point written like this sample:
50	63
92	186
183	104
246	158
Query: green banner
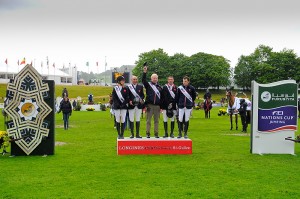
276	96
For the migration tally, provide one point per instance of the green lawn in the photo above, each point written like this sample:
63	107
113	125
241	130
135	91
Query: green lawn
101	92
83	91
87	166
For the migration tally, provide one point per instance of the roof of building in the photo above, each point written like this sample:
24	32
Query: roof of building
44	71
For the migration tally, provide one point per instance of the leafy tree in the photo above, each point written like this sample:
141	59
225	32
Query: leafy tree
265	66
209	70
158	62
203	69
243	71
178	64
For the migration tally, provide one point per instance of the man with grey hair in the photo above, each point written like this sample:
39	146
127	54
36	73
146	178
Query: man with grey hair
153	92
136	104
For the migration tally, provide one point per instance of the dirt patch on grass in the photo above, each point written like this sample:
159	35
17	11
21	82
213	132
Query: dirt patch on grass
238	134
62	126
60	143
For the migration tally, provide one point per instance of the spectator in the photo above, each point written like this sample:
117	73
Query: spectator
65	93
66	108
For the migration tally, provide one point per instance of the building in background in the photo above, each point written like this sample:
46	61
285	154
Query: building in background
64	76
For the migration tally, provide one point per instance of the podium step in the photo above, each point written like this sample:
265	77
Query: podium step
135	146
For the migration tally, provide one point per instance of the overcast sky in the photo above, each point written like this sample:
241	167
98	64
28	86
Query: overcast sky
77	31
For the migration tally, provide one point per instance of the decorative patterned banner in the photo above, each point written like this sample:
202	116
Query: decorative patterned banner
27	109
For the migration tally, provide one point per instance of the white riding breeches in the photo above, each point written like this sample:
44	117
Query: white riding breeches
186	112
135	113
120	115
165	117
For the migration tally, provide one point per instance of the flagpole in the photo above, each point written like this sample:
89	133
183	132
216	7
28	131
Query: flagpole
6	69
88	65
105	72
97	67
54	71
70	71
47	66
42	68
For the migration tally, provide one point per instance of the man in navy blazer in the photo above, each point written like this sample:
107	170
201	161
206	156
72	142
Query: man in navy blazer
136	105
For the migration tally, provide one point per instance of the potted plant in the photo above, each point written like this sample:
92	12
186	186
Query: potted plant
90	109
4	141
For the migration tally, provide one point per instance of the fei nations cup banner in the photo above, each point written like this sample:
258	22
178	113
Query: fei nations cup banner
277	108
274	116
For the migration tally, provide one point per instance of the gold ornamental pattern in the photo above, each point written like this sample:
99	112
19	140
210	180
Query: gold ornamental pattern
27	110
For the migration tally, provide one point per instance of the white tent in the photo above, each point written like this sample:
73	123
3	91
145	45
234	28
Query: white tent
50	73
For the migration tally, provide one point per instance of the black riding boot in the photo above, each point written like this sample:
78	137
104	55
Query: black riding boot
179	129
131	129
122	130
186	127
137	127
118	130
166	129
172	129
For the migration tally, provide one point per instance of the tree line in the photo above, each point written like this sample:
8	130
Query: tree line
265	66
206	70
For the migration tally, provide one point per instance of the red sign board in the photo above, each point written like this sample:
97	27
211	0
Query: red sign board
129	146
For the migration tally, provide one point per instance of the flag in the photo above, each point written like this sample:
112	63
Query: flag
97	64
41	64
105	63
87	63
18	63
23	61
54	65
6	61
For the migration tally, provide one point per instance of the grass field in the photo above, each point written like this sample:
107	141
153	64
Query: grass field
83	91
102	92
87	165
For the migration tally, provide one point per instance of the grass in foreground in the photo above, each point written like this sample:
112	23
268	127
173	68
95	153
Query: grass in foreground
87	165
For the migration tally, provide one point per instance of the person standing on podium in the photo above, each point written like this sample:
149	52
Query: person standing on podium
185	102
120	99
153	100
136	105
168	105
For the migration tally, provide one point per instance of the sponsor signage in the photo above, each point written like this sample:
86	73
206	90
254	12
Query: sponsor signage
277	108
274	117
129	146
